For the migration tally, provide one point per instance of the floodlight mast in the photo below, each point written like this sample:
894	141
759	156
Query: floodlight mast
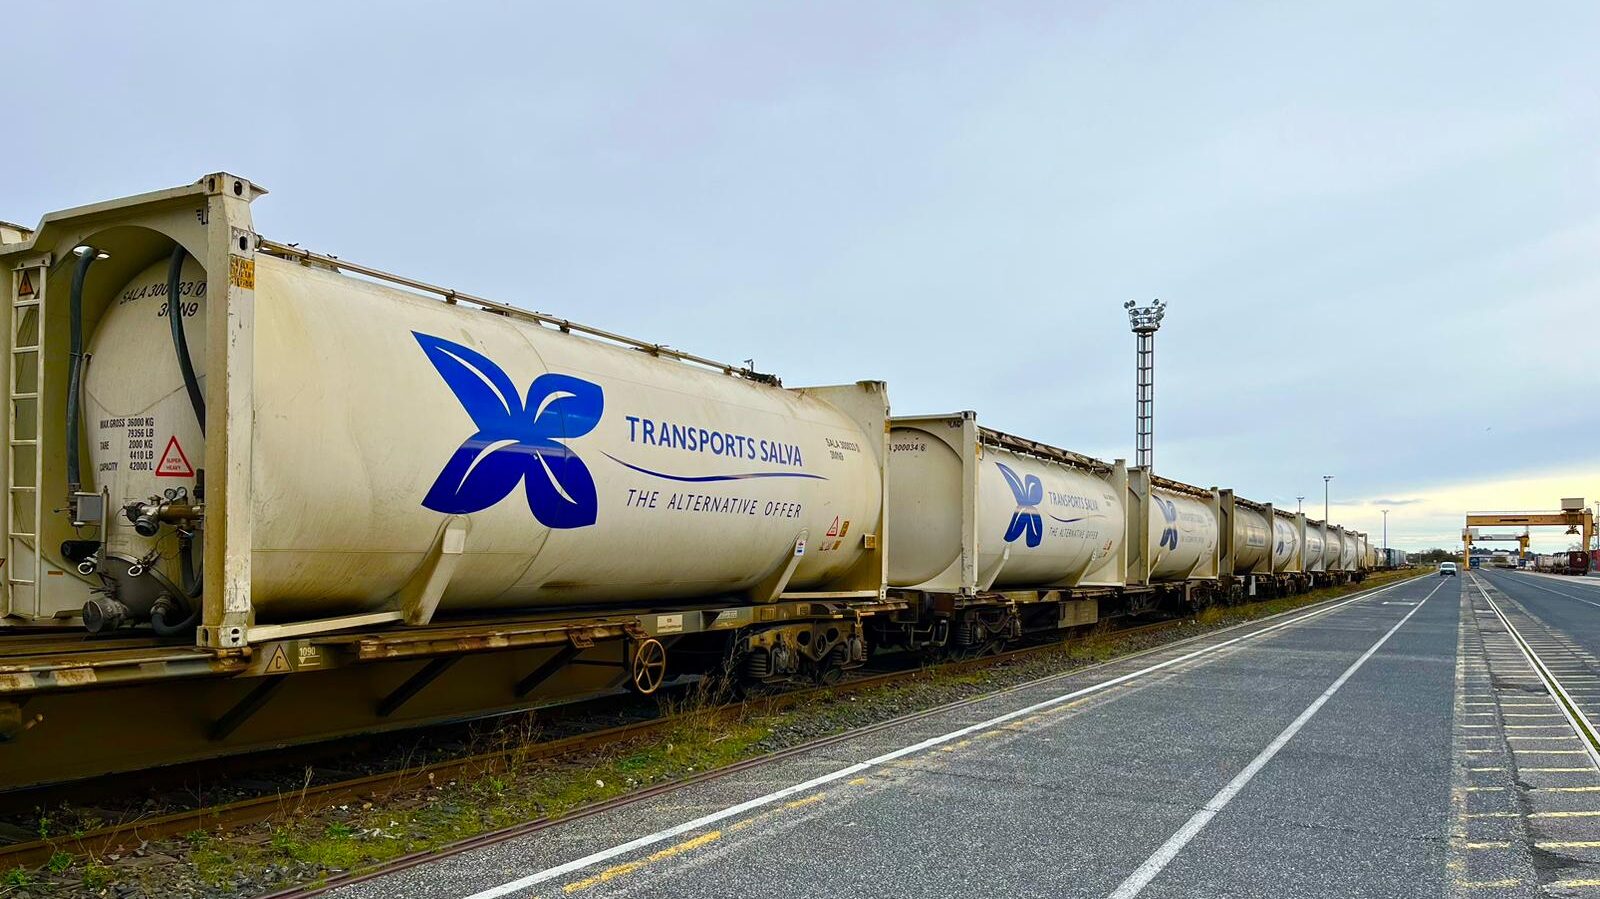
1145	320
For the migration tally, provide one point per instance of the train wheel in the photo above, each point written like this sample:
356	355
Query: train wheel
830	670
649	668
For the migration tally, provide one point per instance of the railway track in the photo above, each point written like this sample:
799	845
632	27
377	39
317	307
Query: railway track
285	803
1545	664
427	856
132	833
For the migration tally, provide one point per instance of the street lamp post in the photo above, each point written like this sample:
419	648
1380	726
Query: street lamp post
1299	504
1385	530
1325	479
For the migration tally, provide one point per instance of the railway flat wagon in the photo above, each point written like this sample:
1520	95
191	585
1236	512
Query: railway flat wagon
259	496
273	495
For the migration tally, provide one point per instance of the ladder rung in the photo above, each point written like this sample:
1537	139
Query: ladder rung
23	304
16	487
24	396
21	350
28	442
19	583
21	534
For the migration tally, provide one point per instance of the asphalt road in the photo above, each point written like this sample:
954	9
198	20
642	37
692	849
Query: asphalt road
1356	751
1570	605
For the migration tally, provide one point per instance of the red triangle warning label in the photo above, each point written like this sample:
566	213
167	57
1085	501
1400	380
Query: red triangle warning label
25	285
174	464
833	531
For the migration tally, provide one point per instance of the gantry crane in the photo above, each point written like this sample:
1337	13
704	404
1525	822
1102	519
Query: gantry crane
1574	516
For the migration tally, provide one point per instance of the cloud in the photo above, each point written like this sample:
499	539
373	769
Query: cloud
1437	519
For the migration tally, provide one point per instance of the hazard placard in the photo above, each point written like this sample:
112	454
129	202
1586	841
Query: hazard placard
833	531
279	663
25	285
174	464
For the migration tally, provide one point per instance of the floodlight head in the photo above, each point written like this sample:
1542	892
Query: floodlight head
1145	319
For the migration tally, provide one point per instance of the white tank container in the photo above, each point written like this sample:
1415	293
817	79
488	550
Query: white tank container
1183	536
1285	544
1038	523
1313	554
1252	541
587	472
1332	547
1351	553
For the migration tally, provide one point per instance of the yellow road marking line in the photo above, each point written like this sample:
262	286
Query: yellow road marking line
1491	844
1585	814
1570	844
1488	884
1573	884
801	803
1484	789
1551	770
1498	768
1567	789
616	871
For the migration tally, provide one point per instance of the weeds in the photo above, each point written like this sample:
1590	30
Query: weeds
707	733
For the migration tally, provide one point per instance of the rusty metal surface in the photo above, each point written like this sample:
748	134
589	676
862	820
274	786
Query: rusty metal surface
1042	450
32	665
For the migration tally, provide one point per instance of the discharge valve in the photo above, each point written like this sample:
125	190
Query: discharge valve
171	507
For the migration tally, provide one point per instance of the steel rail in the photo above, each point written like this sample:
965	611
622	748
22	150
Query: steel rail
110	838
414	859
1576	719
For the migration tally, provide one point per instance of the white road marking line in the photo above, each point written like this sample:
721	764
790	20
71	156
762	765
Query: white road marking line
1141	877
732	811
1567	595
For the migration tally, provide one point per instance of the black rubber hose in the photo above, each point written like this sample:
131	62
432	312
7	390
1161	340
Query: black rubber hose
180	344
80	271
189	572
158	622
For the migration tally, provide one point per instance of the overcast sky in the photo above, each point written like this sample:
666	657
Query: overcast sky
1377	225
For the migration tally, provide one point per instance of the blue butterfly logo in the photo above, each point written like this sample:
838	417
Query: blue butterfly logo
1169	511
518	441
1029	493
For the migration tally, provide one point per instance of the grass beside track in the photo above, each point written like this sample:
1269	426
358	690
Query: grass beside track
306	845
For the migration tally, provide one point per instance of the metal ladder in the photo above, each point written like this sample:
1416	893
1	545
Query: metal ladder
24	452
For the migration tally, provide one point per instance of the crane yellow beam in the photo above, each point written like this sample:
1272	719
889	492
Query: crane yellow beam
1555	519
1574	520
